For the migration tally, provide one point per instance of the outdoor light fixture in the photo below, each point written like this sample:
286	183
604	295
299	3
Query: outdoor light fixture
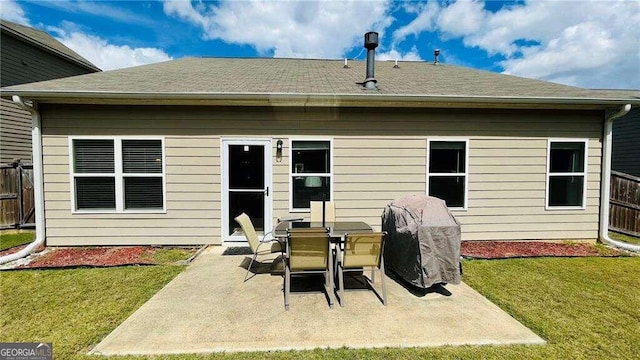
279	149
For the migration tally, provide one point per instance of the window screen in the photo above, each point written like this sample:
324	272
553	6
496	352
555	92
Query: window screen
447	172
310	172
566	176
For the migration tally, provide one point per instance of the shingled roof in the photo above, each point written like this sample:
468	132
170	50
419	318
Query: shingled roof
245	78
45	41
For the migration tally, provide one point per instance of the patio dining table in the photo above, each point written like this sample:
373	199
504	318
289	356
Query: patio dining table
336	229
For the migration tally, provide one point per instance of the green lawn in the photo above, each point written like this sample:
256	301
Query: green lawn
584	308
624	237
74	308
171	255
9	239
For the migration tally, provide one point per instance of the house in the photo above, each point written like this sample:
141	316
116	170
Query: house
29	55
626	143
626	132
170	153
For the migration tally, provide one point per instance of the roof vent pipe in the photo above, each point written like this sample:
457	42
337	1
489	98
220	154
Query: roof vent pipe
436	53
370	43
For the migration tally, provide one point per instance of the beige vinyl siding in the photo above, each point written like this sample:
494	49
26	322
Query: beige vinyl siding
377	156
192	191
507	192
15	133
381	176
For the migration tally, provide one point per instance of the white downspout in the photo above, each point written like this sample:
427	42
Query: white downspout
606	181
38	185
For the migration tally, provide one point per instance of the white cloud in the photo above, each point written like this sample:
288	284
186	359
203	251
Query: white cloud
104	55
589	43
10	10
393	54
598	48
425	20
571	49
462	18
312	29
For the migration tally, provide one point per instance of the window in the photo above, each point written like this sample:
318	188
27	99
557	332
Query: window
311	177
566	173
447	171
117	174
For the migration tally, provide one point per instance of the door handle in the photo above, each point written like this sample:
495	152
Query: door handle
266	192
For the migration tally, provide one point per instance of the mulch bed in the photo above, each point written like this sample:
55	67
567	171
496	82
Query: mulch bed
518	249
104	256
94	256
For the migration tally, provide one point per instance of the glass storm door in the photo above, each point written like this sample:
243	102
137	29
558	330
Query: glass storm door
246	177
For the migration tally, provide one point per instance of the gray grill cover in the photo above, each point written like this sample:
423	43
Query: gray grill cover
423	241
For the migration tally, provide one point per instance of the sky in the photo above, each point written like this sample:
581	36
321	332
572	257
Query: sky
591	44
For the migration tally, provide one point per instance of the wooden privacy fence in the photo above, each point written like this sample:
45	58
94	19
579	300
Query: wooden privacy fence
624	203
17	209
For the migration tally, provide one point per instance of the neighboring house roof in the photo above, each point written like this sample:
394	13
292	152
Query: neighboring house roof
255	81
44	41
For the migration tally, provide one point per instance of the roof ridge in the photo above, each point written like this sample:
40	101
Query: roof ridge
297	58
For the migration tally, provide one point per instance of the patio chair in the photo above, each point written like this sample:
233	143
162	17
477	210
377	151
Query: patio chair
329	211
362	251
309	230
255	243
308	253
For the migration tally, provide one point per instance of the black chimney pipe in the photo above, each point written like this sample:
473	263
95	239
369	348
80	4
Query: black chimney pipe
370	43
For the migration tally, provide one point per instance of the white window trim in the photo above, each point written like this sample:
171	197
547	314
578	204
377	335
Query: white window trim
465	173
330	174
583	174
118	175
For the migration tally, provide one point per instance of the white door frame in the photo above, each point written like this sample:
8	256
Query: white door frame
268	176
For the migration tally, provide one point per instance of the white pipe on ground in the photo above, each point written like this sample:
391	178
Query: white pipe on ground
606	181
38	187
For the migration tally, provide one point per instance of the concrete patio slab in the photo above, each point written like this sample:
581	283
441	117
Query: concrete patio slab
208	308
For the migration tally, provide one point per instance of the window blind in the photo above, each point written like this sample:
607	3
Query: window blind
95	193
143	193
142	156
93	156
137	177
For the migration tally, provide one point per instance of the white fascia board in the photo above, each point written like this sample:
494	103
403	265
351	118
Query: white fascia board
320	100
